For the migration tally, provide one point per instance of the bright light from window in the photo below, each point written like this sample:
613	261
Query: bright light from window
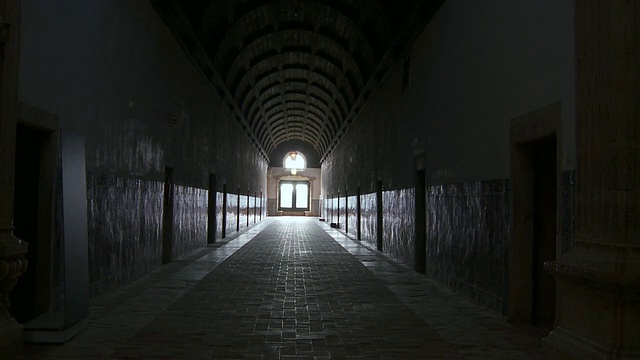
286	195
291	163
302	195
295	162
294	195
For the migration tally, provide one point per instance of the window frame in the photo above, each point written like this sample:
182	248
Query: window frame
293	195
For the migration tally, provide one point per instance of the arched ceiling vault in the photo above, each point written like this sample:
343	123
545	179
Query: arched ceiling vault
295	70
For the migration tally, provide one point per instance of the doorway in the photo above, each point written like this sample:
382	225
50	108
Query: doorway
544	232
535	165
32	212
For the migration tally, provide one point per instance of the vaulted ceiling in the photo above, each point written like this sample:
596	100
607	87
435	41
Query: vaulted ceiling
295	69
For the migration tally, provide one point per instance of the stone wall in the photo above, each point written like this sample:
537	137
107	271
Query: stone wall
116	76
474	68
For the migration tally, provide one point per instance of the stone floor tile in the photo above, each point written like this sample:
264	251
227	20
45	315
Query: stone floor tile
290	288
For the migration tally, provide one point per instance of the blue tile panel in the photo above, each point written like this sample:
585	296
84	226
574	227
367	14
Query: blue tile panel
242	211
254	202
262	206
368	219
124	229
342	211
324	207
329	210
352	215
334	210
189	219
398	221
253	209
232	213
468	232
398	225
219	199
258	210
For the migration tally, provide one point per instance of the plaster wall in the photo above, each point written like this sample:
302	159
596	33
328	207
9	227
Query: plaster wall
112	72
474	68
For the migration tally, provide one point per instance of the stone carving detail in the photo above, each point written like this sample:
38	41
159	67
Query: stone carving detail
12	266
10	270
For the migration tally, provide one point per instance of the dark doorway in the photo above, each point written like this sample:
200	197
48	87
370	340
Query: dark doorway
420	261
544	232
533	290
30	296
535	150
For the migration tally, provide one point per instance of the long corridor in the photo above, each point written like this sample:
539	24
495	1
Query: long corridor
290	288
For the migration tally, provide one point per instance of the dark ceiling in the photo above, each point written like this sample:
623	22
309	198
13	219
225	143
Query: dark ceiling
295	69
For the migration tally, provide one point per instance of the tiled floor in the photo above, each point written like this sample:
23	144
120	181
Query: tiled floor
290	288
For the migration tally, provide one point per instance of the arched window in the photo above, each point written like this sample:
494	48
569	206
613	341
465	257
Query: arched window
294	162
294	194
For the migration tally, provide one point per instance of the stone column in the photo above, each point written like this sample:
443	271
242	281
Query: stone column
599	279
12	249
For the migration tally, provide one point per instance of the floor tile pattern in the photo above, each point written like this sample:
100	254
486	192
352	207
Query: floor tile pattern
473	331
291	292
290	288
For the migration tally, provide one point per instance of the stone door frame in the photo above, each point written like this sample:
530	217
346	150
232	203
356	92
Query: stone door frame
537	125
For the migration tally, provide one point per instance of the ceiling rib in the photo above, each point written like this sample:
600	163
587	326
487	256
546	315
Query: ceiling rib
295	69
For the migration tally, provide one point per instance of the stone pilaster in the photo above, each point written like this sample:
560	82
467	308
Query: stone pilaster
12	249
599	279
